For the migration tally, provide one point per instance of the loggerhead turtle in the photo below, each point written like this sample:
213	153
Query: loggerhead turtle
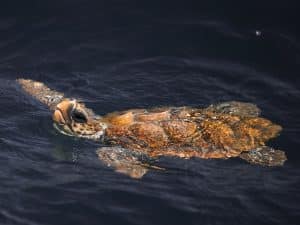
229	129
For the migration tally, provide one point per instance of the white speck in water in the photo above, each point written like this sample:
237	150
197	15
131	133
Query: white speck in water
258	33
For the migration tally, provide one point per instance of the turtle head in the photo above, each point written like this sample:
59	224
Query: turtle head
74	119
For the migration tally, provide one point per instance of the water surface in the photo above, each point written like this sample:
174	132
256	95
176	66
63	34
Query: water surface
127	54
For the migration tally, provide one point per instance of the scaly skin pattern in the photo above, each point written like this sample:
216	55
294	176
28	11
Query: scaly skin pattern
41	92
188	132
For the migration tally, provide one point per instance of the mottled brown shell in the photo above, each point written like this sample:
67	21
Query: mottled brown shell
222	130
188	132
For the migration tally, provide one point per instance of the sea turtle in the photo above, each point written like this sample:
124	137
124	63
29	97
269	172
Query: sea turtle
229	129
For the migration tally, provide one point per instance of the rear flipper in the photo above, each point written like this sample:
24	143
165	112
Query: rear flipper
265	156
236	108
125	161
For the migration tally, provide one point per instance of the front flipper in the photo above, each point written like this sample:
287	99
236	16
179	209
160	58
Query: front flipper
41	92
265	156
236	108
126	161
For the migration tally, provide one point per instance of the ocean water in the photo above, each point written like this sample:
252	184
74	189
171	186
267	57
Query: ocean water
131	54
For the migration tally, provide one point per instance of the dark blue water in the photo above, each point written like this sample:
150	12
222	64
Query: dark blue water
128	54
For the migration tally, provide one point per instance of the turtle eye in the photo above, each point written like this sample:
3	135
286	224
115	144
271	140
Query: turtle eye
78	117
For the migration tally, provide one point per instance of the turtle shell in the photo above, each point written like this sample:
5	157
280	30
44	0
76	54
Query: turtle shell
189	132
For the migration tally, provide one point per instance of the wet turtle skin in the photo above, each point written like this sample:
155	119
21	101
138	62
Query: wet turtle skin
224	130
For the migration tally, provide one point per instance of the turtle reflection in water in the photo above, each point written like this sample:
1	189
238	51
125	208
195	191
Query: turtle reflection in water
230	129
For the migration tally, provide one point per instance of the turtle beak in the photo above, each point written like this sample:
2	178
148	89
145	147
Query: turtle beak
63	111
